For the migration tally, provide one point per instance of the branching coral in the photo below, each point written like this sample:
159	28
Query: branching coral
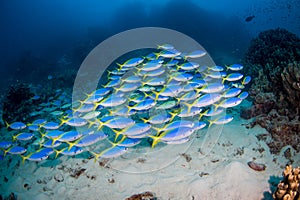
288	188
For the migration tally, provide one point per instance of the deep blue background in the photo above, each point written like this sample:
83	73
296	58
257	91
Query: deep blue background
48	29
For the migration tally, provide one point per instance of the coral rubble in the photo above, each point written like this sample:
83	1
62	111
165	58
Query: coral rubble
142	196
288	188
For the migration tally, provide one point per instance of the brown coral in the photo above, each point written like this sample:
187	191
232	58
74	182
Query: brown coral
288	188
291	83
142	196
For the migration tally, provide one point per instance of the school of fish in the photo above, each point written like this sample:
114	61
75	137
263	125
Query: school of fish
163	97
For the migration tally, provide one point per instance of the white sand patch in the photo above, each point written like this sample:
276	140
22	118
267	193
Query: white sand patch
216	169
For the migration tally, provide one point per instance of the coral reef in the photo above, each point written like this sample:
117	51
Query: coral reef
271	51
283	130
17	104
291	83
273	61
288	188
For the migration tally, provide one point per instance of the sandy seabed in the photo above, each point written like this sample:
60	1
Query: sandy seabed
213	165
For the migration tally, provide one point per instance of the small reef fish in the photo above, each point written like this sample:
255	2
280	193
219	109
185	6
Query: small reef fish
23	136
164	96
16	125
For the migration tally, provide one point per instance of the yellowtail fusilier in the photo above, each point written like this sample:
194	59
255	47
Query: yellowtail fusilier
88	140
175	124
38	156
170	53
91	115
216	68
151	65
206	100
182	77
112	101
131	62
243	95
128	87
233	77
158	119
15	150
53	134
227	103
131	79
129	142
246	80
117	122
232	92
234	67
212	88
75	122
189	111
221	120
23	136
180	141
144	105
69	152
39	122
112	152
51	125
195	54
51	144
16	125
162	80
152	73
68	136
165	46
134	129
174	134
157	81
33	127
5	144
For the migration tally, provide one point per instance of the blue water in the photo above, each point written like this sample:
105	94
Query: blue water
44	43
49	29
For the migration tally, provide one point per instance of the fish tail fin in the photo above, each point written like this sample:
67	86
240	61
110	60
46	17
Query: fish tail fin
189	106
156	55
144	120
116	137
7	124
14	138
96	155
223	80
5	151
156	94
57	152
200	116
71	144
62	121
227	67
120	65
210	123
155	141
24	158
173	115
